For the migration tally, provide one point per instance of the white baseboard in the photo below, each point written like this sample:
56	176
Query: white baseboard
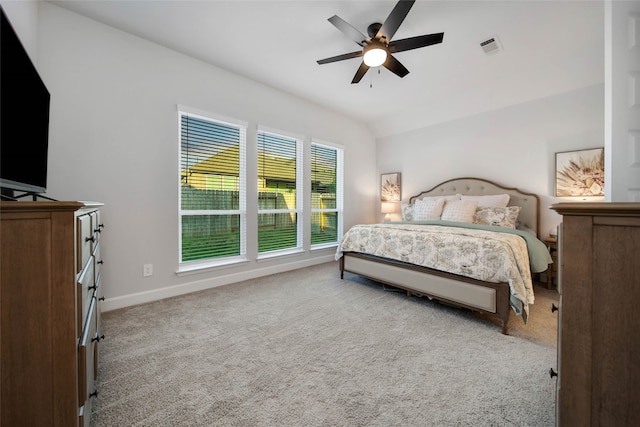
208	283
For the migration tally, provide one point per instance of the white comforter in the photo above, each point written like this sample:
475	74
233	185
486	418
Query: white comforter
480	254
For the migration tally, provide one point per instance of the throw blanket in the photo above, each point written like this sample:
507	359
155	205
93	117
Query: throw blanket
488	253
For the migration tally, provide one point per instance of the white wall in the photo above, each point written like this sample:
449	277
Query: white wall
23	16
513	146
113	138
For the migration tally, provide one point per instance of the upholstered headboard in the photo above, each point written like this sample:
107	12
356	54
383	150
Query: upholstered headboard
528	202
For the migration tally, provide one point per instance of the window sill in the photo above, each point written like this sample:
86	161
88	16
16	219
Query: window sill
203	267
278	254
324	246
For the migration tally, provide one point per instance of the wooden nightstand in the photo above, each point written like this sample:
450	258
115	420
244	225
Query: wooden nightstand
552	272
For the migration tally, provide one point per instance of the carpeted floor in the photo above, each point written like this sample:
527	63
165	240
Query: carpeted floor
304	348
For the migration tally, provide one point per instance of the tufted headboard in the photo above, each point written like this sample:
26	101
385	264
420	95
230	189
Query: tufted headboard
528	202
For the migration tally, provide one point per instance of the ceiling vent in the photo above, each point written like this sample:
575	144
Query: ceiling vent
491	45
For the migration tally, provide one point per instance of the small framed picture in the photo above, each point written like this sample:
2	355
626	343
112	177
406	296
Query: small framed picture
390	187
580	173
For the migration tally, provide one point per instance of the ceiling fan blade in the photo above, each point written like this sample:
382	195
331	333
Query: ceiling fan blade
362	70
395	18
348	30
340	57
415	42
393	65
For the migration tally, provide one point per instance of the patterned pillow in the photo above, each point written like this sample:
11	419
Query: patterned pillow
459	211
407	212
426	209
500	217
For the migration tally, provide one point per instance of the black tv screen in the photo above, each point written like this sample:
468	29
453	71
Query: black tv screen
24	117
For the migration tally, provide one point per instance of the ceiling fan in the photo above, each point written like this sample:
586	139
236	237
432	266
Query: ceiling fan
378	47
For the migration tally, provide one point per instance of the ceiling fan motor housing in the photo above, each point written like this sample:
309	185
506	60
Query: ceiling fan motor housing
373	29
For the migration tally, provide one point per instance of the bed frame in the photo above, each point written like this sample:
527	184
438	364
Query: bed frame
452	289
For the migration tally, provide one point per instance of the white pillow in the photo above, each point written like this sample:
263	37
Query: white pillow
496	201
459	211
500	217
452	197
427	209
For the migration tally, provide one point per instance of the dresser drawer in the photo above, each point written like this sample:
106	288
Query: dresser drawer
86	365
97	263
85	238
84	290
95	227
96	223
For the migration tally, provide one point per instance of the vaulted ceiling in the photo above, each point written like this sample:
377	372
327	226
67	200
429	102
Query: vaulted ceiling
548	47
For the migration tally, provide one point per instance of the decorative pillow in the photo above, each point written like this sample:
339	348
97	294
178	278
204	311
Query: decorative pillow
494	201
500	217
451	197
427	209
407	212
459	211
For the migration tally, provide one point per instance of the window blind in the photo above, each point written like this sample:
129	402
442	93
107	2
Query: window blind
326	194
212	189
279	193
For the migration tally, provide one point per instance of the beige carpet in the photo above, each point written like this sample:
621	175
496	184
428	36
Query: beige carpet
305	348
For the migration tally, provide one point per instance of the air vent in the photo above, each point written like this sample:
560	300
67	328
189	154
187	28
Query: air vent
491	45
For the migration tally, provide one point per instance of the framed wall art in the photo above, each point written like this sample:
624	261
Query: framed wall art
580	173
390	187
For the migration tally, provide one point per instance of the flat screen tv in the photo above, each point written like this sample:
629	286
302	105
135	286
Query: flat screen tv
24	118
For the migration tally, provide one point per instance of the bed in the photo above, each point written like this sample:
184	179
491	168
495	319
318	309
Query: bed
486	267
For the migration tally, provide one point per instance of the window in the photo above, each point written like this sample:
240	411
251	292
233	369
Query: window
326	195
279	193
212	190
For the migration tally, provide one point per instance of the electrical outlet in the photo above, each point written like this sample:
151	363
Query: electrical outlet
147	270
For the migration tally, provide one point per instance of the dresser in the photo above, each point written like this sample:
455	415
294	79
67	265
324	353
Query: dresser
552	271
599	309
50	297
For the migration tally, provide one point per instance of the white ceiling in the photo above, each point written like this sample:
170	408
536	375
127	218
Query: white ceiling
549	47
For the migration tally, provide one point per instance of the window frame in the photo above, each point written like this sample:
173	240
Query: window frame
193	265
339	209
299	209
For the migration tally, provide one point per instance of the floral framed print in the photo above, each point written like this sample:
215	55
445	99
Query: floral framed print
390	187
580	173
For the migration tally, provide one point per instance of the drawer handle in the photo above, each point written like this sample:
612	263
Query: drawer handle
90	239
554	307
552	373
101	262
98	338
101	299
92	287
94	394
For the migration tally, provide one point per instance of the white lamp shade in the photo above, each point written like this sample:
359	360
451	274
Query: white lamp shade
388	207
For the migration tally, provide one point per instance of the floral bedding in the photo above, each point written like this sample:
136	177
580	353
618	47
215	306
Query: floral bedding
491	254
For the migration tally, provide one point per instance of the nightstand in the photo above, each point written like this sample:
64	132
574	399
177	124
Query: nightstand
552	272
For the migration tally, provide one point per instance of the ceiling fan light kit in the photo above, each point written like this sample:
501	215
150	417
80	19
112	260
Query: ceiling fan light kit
378	47
375	55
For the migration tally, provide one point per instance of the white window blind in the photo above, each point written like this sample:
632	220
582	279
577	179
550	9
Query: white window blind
326	194
212	189
279	193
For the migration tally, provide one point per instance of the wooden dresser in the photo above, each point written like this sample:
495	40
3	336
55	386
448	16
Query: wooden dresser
50	295
599	323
